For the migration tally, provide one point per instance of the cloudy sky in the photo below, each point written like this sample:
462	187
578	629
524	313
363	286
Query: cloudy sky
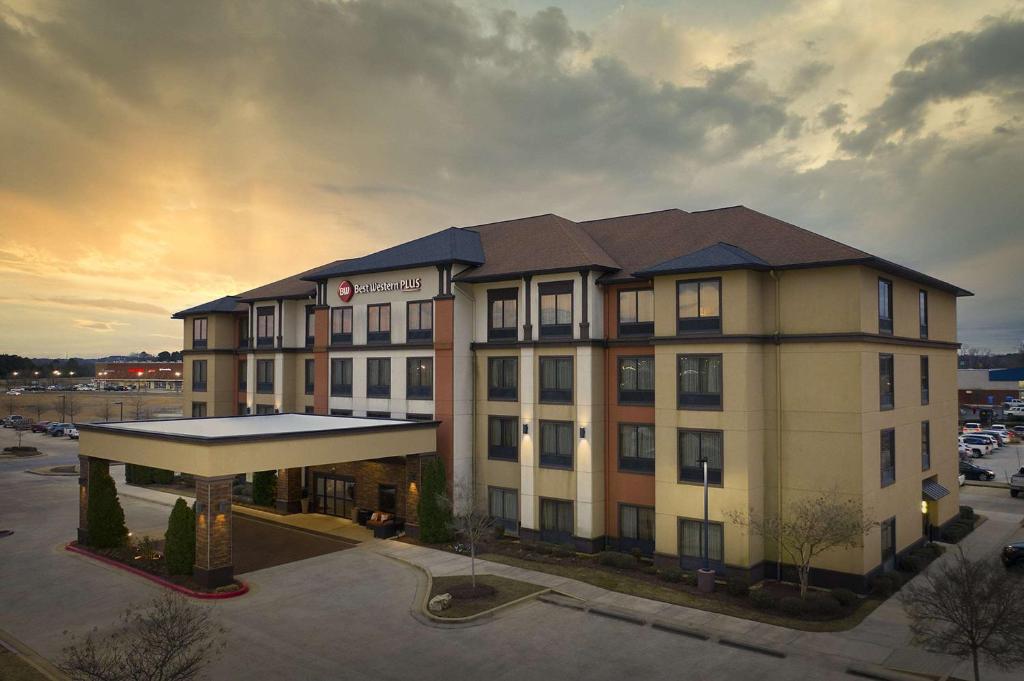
158	155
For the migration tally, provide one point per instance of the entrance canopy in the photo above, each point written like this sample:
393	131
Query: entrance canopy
239	444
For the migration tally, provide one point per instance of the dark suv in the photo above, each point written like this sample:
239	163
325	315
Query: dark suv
975	472
1013	554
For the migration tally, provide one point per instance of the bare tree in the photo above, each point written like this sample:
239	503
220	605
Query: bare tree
138	405
809	527
969	609
70	406
472	525
171	640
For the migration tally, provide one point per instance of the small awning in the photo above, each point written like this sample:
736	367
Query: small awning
933	491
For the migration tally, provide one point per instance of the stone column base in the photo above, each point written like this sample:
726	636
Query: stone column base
288	505
211	579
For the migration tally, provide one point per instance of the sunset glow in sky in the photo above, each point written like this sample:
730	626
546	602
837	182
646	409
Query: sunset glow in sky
159	155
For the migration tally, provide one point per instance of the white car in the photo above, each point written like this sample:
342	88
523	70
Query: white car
977	446
1002	430
72	432
971	428
15	391
962	479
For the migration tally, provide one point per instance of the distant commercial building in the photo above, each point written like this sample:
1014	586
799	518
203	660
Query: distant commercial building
140	375
981	392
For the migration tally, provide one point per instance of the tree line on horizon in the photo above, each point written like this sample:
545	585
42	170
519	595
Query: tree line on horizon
83	367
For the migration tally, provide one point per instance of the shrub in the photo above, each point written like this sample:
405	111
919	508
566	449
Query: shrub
844	597
763	599
931	549
105	517
737	586
911	562
821	603
433	509
882	585
563	551
648	569
671	574
957	530
499	531
793	605
966	513
161	476
618	560
689	578
180	539
264	488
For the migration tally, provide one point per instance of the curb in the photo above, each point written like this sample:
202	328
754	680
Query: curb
874	671
159	580
31	657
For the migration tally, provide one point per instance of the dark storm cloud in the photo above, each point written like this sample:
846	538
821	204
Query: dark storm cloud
833	115
808	76
988	61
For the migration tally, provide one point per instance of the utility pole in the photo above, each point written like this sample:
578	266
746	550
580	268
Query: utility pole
705	576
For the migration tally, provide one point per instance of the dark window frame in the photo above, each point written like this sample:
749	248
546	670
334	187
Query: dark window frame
922	313
309	376
511	525
341	337
420	335
887	472
265	409
378	336
200	407
243	331
888	540
555	395
264	387
711	324
556	288
885	324
203	323
886	398
556	460
504	332
243	374
310	321
700	401
689	561
636	543
557	534
339	389
634	397
264	312
420	391
926	445
925	379
637	328
378	390
502	451
200	375
635	464
716	476
502	393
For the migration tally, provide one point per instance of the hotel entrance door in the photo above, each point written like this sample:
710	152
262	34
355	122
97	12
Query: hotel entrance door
335	495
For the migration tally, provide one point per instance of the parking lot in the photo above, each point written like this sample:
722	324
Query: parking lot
1004	461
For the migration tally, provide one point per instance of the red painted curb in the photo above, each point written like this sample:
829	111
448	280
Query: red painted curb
159	580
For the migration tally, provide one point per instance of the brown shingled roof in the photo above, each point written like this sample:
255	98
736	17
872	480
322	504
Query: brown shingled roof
542	243
289	287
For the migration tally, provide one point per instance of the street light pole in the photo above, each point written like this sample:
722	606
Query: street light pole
121	406
707	527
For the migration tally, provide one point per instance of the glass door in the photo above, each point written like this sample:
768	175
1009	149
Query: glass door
335	495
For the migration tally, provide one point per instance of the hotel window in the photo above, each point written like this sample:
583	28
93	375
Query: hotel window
243	331
924	379
556	379
199	332
887	448
265	376
420	321
341	412
700	381
419	417
636	528
502	378
699	306
694	447
199	375
691	543
885	306
922	312
886	382
555	309
503	438
341	377
243	409
243	374
265	409
378	323
198	409
378	414
926	445
889	543
556	523
636	448
309	409
503	317
310	326
378	377
503	506
264	327
556	444
636	380
309	374
636	312
420	378
341	326
387	497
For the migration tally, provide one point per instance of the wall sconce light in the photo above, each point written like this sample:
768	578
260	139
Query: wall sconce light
924	506
526	429
200	507
583	433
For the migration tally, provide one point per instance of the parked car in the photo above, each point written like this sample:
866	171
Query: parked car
14	391
961	479
13	420
1015	410
996	442
973	471
1017	483
971	427
40	426
71	432
976	442
56	429
1001	438
1018	430
1008	434
1013	554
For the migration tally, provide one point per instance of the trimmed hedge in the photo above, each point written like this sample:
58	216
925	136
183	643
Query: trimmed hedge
180	539
264	488
763	599
618	560
966	513
433	510
144	475
737	586
671	574
844	597
105	517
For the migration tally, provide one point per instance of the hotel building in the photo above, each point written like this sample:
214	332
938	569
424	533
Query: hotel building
579	372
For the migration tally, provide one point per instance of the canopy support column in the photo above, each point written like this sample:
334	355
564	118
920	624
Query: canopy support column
89	467
214	566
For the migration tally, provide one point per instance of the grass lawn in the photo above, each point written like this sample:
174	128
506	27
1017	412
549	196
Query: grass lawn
624	583
13	668
506	591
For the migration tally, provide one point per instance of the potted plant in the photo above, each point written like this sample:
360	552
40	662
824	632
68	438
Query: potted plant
304	501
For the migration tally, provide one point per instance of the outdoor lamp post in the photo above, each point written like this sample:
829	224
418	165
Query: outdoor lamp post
121	405
705	575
